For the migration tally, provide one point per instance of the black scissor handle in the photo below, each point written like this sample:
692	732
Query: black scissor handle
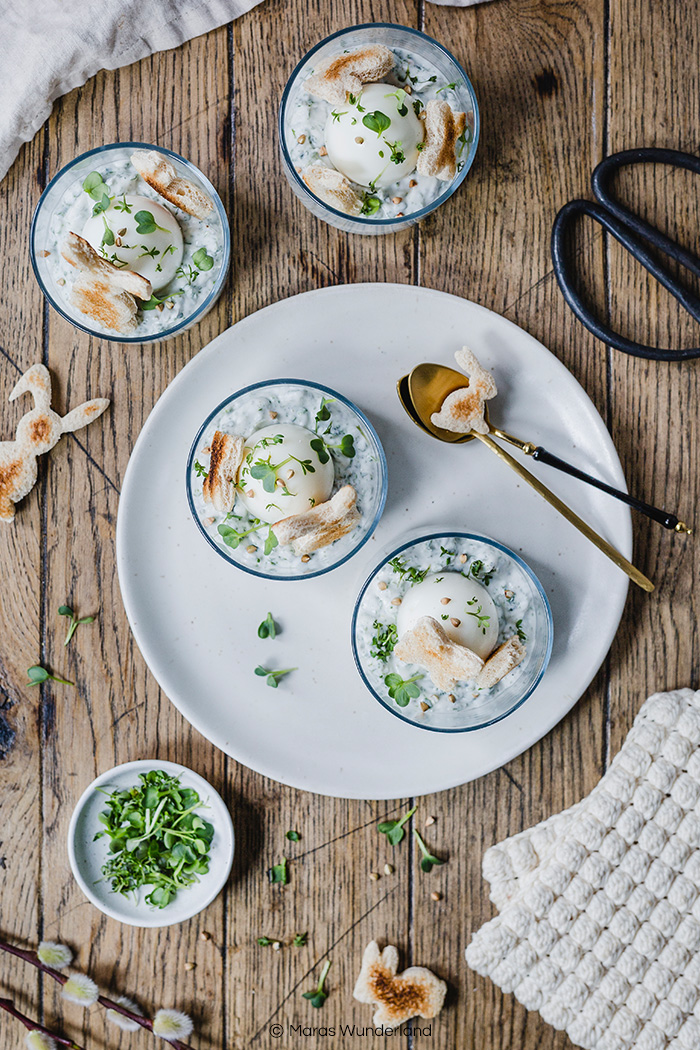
627	228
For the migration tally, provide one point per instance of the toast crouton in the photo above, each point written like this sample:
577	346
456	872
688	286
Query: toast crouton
447	662
416	992
81	254
442	129
463	410
501	662
336	77
97	300
320	526
333	188
158	172
226	456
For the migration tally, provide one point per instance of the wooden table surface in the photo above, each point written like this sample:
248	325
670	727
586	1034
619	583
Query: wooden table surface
561	83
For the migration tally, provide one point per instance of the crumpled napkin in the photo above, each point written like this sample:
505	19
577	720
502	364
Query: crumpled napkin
599	924
49	48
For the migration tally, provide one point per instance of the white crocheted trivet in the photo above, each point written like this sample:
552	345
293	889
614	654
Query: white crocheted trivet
599	924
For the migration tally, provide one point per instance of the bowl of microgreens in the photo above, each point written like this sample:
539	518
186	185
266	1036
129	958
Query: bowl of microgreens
151	843
122	259
306	489
451	631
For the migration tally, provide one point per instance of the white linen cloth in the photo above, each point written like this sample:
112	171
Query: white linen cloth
599	924
49	47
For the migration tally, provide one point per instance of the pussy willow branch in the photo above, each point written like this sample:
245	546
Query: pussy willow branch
33	959
33	1026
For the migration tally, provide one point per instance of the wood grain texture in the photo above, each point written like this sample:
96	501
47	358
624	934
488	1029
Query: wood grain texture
561	83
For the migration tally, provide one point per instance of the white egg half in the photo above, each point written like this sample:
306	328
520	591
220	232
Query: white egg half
156	255
292	477
468	617
366	155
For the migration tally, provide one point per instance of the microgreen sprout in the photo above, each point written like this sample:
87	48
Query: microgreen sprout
271	541
202	260
376	121
482	619
300	940
479	573
428	861
417	106
273	677
97	190
293	836
39	674
278	872
123	205
521	633
108	235
264	941
397	154
154	302
446	87
394	829
190	274
268	628
370	204
318	997
65	610
324	413
156	837
150	252
384	640
411	574
232	537
337	115
402	690
199	470
399	95
146	223
354	100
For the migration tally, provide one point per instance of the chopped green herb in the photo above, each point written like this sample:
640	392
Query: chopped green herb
385	638
268	628
293	836
264	941
319	995
394	829
278	873
420	147
39	674
428	861
300	940
156	837
273	677
65	610
202	260
402	690
376	121
521	633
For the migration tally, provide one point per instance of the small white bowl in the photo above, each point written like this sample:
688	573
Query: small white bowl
87	856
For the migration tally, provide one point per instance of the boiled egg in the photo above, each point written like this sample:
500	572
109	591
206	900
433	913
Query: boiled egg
281	474
463	608
374	140
114	233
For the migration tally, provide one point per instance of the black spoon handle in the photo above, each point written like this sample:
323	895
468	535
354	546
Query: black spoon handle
669	521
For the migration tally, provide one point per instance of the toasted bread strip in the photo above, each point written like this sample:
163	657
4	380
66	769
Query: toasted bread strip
463	409
226	456
447	662
322	525
501	662
81	254
333	188
111	309
415	992
340	75
442	129
158	172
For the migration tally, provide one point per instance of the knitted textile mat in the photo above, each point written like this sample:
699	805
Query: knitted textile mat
599	924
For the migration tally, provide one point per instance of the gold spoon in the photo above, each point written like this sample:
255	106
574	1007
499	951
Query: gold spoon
423	391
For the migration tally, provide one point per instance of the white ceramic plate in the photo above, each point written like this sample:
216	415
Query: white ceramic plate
195	619
87	856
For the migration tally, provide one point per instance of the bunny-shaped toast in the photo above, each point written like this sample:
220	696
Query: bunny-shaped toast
37	432
416	992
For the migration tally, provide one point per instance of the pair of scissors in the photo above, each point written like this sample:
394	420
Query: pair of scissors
632	232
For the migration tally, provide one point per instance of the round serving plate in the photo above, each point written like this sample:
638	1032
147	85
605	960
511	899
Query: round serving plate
196	621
